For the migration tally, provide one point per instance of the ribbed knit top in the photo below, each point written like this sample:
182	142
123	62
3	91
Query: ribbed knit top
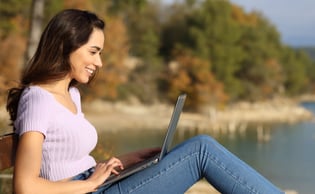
68	138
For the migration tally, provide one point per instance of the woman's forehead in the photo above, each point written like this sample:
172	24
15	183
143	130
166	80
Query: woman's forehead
96	39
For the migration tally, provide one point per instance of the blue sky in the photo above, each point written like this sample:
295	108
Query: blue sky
294	19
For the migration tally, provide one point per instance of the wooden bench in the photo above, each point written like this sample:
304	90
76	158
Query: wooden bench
8	144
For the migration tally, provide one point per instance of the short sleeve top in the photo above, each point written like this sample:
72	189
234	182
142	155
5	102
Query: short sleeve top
68	137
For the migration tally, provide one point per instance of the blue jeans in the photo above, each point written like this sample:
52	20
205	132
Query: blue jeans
197	158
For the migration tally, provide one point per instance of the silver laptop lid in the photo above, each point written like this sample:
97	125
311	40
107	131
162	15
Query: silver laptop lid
172	125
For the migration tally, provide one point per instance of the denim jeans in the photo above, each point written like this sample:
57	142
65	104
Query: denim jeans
197	158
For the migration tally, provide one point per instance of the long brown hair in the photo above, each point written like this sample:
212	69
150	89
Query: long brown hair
66	32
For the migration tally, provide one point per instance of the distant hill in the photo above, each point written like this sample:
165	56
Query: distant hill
310	51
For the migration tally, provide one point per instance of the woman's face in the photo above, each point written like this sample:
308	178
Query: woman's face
85	60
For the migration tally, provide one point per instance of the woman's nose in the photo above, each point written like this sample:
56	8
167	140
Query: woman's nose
98	61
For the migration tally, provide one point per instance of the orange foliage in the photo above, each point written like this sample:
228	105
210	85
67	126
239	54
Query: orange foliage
242	18
11	59
192	75
78	4
12	46
275	75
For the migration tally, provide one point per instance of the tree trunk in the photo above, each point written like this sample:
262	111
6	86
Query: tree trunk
37	15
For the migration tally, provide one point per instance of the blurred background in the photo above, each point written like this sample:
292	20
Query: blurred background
220	52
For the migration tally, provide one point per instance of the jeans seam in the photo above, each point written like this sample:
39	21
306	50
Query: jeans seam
219	164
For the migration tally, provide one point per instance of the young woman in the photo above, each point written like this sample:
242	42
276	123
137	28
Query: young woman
55	140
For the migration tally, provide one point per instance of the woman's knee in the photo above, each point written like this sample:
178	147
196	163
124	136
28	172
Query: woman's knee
198	143
204	139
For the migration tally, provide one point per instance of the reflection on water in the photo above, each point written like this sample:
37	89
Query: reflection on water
284	153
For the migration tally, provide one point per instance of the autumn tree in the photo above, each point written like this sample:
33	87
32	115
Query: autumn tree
13	17
190	74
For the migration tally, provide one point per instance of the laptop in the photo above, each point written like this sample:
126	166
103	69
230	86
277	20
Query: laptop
164	150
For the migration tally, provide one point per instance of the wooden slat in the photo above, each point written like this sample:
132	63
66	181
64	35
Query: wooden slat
8	144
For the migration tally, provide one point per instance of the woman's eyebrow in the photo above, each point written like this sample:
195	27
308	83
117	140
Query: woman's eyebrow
96	47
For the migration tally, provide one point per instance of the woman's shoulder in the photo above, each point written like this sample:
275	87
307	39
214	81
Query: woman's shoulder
34	91
35	94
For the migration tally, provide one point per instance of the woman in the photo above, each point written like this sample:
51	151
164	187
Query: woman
55	140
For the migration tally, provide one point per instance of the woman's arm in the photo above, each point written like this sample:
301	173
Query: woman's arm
27	168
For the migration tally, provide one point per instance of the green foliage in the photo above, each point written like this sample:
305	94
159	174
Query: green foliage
142	21
308	50
307	56
260	71
51	8
294	64
210	32
119	5
143	25
9	11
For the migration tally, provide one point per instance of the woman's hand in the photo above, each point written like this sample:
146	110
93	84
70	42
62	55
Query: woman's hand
104	169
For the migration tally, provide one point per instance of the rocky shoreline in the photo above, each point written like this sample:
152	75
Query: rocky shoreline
121	116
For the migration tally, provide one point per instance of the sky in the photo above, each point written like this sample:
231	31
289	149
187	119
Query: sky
294	19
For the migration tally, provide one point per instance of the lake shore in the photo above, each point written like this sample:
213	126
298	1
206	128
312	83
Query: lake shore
122	116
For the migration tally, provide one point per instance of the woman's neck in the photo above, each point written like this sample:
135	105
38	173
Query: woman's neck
57	87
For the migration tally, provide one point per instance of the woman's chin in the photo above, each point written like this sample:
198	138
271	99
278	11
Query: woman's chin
83	81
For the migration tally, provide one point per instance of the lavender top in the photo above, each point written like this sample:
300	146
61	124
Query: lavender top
68	138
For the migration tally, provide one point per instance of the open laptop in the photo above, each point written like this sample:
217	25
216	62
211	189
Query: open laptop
164	150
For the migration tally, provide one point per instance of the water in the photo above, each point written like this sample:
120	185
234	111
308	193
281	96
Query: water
286	155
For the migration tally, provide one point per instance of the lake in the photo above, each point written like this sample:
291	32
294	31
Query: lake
282	153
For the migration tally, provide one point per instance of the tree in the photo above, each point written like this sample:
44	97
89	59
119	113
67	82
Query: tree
190	74
295	72
143	27
37	15
261	72
12	42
